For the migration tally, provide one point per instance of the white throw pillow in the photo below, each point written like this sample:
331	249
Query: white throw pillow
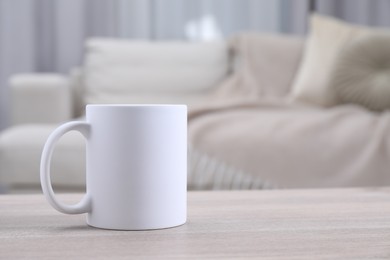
118	71
328	36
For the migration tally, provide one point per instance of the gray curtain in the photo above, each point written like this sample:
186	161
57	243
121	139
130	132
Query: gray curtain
48	35
364	12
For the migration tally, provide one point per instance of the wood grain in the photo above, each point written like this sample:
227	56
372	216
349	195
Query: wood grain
276	224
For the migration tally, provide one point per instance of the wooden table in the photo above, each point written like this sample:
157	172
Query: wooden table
277	224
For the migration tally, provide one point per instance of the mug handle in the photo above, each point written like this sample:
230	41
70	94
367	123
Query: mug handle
84	205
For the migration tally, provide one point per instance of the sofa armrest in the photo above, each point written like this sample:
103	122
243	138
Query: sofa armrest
40	98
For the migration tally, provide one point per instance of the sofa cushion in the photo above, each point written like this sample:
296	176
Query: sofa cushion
328	37
362	73
120	71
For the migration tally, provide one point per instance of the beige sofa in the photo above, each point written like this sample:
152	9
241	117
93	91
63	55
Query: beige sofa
244	130
114	71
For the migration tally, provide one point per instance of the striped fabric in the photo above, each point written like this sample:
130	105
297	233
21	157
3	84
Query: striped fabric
207	173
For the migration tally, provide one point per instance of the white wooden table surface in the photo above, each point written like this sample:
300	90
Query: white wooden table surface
277	224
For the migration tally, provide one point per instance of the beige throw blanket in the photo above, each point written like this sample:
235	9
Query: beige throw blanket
267	138
292	146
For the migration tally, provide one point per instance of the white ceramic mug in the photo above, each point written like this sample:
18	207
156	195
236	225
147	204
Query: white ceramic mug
136	166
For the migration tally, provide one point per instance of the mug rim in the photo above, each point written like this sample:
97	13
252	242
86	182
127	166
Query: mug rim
136	105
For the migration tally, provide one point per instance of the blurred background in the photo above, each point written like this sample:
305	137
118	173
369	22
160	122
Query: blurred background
49	35
42	41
